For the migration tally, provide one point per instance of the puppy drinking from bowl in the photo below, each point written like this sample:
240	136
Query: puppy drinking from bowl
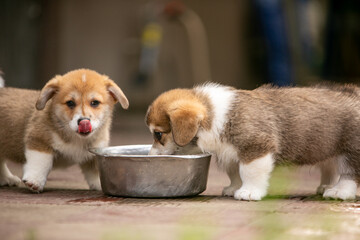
73	113
251	131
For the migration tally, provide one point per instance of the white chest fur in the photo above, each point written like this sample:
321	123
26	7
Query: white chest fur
221	99
71	152
225	152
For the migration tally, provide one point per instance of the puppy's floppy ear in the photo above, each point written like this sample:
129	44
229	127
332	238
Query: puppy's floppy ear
116	93
47	92
185	120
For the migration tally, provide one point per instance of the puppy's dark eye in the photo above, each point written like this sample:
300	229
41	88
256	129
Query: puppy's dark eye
94	103
71	104
157	135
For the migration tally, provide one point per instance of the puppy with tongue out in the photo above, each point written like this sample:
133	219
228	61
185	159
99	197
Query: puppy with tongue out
73	113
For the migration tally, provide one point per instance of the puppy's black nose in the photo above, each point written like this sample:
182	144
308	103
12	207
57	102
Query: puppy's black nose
80	119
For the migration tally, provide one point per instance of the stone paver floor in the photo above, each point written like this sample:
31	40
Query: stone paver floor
66	210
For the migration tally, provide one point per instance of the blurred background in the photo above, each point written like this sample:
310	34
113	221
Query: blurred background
149	46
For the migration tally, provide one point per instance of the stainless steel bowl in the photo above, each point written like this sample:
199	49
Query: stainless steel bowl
130	172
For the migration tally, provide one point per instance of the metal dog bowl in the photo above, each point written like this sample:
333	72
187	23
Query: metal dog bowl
130	172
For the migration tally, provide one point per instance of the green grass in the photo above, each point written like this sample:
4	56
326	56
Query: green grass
30	234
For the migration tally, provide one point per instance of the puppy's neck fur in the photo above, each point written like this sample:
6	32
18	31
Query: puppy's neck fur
219	100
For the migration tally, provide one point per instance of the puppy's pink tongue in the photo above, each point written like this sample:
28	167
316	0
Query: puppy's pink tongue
84	126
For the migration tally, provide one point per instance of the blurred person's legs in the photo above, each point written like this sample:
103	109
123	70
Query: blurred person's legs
272	20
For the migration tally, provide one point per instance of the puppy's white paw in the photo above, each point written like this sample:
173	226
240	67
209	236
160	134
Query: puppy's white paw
229	191
33	187
35	184
249	194
95	184
336	193
10	180
36	169
345	189
322	188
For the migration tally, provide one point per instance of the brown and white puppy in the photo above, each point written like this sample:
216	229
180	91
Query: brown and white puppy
250	131
73	113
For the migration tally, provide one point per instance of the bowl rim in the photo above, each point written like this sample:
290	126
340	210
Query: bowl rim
188	156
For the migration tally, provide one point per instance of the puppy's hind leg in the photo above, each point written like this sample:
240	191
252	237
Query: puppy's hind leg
6	177
91	174
329	175
235	181
346	187
255	178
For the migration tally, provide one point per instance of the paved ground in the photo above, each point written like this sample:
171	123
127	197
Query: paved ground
66	210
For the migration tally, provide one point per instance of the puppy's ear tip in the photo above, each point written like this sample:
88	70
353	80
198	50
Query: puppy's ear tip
125	105
40	105
124	102
118	94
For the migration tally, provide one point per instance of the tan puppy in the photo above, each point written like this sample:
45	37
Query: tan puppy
250	131
73	113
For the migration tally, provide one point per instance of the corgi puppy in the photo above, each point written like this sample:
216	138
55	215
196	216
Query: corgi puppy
250	131
73	113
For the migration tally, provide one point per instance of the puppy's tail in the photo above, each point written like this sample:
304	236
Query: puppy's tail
2	81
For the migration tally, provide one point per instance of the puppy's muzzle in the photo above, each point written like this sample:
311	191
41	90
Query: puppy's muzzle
84	126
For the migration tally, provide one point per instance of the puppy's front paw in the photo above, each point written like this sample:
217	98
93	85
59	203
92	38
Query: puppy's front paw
33	187
10	180
94	184
229	191
249	194
337	193
34	184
